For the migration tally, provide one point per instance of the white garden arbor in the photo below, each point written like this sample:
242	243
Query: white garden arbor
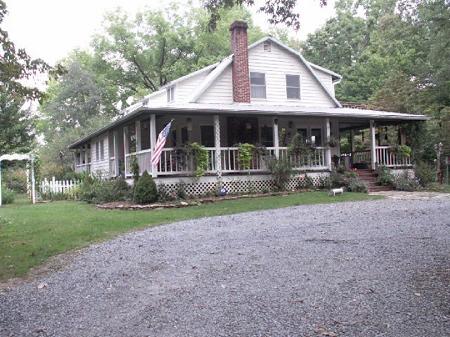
19	157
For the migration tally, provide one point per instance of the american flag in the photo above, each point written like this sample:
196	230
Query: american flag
160	144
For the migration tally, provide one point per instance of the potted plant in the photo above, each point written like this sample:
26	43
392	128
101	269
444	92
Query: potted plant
333	141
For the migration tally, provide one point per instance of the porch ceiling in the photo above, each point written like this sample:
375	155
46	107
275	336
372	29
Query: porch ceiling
354	116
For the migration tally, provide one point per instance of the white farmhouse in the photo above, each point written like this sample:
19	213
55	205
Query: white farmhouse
262	94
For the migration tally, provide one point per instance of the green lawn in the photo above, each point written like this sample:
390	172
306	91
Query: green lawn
30	234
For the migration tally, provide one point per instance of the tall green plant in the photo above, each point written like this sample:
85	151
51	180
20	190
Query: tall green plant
245	153
200	158
281	171
134	167
298	146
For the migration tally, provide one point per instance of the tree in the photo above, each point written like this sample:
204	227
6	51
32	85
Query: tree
141	54
17	125
279	11
16	65
395	56
73	100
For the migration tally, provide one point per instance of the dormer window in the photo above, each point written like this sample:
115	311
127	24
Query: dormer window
258	85
170	94
293	86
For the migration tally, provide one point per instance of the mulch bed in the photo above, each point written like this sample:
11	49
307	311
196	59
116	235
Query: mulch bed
128	205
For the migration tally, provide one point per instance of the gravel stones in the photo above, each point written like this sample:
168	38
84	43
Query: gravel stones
375	268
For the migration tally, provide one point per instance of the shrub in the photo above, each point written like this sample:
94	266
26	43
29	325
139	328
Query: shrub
424	173
165	195
16	179
324	182
403	151
181	191
307	182
8	196
404	182
338	179
120	188
349	180
145	191
281	171
356	185
384	176
95	190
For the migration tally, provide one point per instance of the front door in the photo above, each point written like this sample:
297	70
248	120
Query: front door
242	130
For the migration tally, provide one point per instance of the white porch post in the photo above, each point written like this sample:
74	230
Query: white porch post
125	148
217	151
327	139
33	182
153	141
116	152
373	159
276	138
138	135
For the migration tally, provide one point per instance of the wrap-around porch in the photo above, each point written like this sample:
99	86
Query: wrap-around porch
220	134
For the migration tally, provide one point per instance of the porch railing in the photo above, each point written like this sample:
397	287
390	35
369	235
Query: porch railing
112	167
314	160
385	156
79	168
360	157
175	161
143	159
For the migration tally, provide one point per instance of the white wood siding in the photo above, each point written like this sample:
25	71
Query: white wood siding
100	167
221	91
326	79
159	98
184	89
276	64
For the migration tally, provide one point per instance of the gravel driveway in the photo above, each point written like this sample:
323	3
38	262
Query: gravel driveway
376	268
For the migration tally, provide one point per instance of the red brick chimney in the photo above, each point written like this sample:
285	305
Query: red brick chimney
239	47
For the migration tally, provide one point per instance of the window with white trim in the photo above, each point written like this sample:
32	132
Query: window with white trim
293	86
102	149
170	94
97	151
258	85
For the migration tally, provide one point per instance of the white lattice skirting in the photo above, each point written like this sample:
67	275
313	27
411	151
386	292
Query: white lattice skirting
238	183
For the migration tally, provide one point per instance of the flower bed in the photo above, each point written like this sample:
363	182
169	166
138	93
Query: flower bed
128	205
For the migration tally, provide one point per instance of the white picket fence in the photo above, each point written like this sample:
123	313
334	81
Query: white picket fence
57	186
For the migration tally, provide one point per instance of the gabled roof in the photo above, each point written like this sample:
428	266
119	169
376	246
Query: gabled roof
213	75
220	68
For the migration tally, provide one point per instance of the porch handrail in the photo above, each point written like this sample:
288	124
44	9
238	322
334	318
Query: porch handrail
386	157
174	160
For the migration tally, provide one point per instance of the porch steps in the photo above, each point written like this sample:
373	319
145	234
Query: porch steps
370	178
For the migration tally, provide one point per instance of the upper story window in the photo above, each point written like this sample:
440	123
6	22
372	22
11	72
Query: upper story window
293	86
170	94
258	85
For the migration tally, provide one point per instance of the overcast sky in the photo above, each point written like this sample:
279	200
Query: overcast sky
49	29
